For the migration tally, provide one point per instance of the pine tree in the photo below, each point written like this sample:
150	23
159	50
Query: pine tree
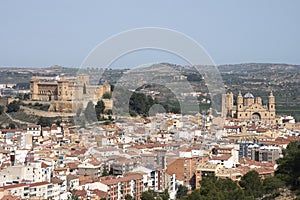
84	88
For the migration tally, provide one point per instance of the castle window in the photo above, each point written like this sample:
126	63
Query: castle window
246	114
265	114
240	115
240	106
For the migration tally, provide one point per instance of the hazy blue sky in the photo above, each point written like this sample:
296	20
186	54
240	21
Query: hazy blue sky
44	33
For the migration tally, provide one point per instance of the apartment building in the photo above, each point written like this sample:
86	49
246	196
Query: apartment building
119	187
41	190
205	169
263	153
91	167
185	169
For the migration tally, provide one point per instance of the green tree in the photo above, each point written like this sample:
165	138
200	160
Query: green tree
12	126
272	184
99	109
252	184
106	95
213	188
109	112
26	96
128	197
45	121
1	109
73	196
13	107
84	89
181	191
289	166
139	104
148	195
89	112
105	172
58	121
165	195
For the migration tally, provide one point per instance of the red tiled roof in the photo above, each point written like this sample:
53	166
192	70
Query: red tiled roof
73	165
99	193
122	179
56	180
44	165
39	184
10	197
221	157
7	187
81	193
72	177
232	127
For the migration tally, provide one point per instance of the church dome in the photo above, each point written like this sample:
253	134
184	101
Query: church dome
248	95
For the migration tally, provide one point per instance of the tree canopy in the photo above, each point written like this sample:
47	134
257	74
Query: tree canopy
106	95
252	184
89	113
181	191
45	121
151	195
1	109
99	109
13	107
217	189
289	166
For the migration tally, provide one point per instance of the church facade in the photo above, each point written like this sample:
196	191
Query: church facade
249	108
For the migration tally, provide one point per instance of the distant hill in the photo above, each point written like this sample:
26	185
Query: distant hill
259	67
257	78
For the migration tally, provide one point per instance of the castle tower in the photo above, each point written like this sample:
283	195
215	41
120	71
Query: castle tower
82	79
240	102
63	90
34	89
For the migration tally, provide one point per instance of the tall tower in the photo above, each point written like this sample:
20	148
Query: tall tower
240	102
227	104
82	79
271	103
271	107
34	89
63	90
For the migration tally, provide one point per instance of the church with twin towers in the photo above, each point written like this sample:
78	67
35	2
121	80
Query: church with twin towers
249	108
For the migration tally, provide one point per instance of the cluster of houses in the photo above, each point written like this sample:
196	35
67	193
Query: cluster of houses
135	155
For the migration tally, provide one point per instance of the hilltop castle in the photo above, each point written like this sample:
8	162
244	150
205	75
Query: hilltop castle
65	93
249	108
